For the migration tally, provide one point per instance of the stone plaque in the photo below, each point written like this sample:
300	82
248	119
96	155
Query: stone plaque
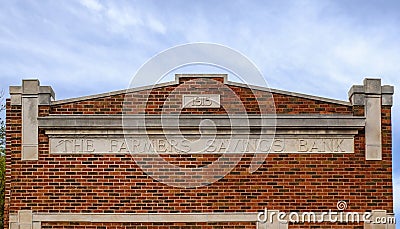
139	144
201	101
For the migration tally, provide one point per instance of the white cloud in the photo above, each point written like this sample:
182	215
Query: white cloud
125	19
92	4
155	24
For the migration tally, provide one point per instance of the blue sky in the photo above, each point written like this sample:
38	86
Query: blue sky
83	47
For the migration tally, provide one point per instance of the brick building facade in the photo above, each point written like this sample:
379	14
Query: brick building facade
69	163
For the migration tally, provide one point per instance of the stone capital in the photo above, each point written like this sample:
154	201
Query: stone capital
30	95
372	95
31	89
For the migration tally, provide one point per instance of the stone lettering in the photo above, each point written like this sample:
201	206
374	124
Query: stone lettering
264	145
89	146
338	144
201	101
328	145
123	147
279	145
77	145
185	146
113	145
157	144
302	145
314	146
210	146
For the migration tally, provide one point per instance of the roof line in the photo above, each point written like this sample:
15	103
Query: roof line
294	94
118	92
176	82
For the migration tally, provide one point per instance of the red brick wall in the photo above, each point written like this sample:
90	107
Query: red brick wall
168	100
115	184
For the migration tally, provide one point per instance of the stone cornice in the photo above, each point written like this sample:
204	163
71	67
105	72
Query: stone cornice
88	122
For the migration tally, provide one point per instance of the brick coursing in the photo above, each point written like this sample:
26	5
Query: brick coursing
167	100
115	184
